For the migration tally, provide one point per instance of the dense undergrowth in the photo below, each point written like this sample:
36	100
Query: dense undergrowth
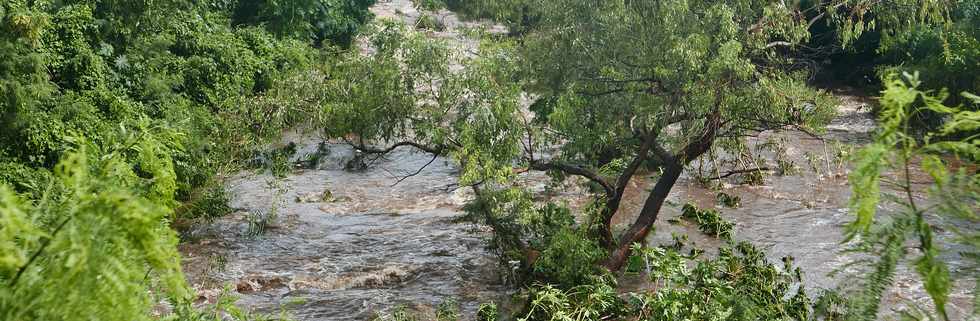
118	118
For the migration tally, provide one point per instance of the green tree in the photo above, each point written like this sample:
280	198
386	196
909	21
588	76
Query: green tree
620	85
321	21
627	84
891	160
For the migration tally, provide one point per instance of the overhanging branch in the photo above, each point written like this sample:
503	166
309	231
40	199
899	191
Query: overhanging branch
574	170
372	150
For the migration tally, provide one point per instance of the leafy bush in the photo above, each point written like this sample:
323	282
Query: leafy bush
322	21
740	284
559	252
116	118
77	71
95	243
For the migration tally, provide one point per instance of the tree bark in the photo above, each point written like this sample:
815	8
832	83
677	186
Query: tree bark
672	170
648	215
614	199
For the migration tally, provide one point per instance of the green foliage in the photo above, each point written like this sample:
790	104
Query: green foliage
208	202
470	114
96	243
427	21
938	38
568	259
448	311
116	118
85	69
565	255
429	5
585	302
689	68
709	221
895	149
521	16
224	309
322	21
740	284
890	19
487	312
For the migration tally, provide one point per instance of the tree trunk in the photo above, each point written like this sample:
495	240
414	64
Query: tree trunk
613	200
648	215
673	167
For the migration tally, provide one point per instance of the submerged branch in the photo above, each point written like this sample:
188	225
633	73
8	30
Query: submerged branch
741	171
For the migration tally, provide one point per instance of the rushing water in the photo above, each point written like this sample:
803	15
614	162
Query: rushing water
375	241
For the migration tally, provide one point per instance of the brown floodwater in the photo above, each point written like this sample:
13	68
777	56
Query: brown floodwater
376	242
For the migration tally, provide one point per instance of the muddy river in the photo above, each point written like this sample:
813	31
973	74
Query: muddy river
325	243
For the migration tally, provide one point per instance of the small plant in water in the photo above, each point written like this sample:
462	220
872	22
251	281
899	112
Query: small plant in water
448	310
709	221
487	312
728	200
428	21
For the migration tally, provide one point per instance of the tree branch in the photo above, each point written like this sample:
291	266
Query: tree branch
371	150
37	253
574	170
434	156
740	171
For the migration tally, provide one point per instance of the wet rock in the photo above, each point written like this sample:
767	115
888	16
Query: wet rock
325	197
370	279
258	283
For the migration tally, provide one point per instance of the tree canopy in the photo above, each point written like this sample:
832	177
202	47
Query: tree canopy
617	86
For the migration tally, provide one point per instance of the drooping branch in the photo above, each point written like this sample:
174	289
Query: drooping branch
419	171
361	146
574	170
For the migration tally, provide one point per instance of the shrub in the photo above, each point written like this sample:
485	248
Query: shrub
322	21
95	243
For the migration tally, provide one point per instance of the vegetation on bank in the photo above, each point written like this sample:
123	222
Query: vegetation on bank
117	117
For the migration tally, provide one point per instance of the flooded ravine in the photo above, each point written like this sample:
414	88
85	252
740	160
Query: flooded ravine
368	246
325	243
